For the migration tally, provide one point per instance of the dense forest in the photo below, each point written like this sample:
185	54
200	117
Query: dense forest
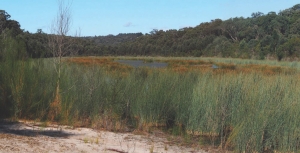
259	36
272	35
115	40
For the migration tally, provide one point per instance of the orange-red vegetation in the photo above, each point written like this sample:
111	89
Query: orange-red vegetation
183	66
266	69
106	63
89	60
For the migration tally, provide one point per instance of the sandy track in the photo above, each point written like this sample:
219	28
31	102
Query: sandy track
26	137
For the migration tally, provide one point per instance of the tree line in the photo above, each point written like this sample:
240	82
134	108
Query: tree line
259	36
275	35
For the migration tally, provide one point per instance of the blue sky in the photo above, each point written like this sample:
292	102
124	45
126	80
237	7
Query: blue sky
103	17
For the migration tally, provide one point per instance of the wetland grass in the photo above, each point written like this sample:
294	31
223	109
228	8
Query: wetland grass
246	108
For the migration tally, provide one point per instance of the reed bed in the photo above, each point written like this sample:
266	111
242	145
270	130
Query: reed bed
27	88
243	108
236	61
251	113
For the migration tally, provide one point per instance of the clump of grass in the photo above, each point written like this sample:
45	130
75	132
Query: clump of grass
85	140
97	141
166	147
151	149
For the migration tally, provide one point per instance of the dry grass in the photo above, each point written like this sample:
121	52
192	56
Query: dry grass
105	62
55	108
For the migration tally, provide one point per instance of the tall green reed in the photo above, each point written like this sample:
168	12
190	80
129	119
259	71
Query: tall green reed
248	112
25	83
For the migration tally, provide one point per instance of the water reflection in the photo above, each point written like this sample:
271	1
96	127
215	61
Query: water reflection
140	63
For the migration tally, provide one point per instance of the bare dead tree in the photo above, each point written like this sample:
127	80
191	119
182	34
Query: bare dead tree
61	44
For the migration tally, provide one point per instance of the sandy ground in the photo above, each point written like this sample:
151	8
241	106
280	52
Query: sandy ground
29	137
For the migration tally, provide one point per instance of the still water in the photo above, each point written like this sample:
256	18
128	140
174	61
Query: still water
140	63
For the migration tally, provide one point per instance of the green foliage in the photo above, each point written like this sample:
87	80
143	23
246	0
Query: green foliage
270	30
25	84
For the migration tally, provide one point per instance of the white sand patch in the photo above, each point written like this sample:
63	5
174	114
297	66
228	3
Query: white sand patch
28	137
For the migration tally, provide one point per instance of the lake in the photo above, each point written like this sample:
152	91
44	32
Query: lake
141	63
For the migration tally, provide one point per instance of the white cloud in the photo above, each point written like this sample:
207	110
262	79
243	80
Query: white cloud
128	24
